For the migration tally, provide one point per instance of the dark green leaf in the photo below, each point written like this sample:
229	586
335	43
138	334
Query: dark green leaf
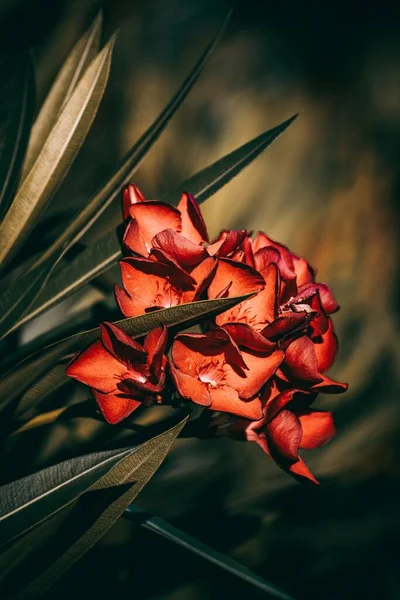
100	256
16	129
57	154
115	491
171	533
28	501
16	381
66	81
211	179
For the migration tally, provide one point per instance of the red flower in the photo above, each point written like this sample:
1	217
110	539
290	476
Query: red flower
149	284
287	426
213	371
149	218
121	373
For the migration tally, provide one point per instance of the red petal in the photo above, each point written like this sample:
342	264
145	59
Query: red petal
244	335
276	403
97	368
193	225
227	242
304	271
319	322
300	470
120	344
178	276
260	369
115	407
191	350
155	343
284	434
183	251
329	386
301	361
268	255
328	301
318	428
203	274
326	347
148	219
137	384
285	324
130	195
190	387
147	283
226	399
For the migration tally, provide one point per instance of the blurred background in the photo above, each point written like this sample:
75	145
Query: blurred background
328	188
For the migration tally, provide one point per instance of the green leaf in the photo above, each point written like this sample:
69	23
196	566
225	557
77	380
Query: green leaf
115	492
175	535
28	501
101	255
16	130
61	91
57	154
111	188
16	381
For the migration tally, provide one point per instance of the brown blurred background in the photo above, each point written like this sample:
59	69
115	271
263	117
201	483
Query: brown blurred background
328	188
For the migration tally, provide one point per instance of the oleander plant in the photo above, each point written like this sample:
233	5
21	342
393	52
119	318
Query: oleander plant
233	335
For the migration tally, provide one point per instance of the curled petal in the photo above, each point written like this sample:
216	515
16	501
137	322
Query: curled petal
136	383
155	343
97	368
277	402
120	344
284	435
202	274
329	386
301	362
190	387
131	194
318	428
193	225
246	336
148	219
227	242
319	323
326	347
114	406
305	273
226	399
182	250
328	301
286	324
268	255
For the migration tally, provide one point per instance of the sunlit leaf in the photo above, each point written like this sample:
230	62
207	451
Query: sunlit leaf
175	535
16	381
28	501
66	81
15	131
104	252
57	154
86	525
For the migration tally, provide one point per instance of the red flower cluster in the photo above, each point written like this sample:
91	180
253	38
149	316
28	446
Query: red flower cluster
263	361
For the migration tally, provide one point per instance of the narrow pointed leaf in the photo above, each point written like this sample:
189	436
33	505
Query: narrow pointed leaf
15	130
115	492
175	535
61	91
57	154
211	179
101	255
16	381
28	501
111	188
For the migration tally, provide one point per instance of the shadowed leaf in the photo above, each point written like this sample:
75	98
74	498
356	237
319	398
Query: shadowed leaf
57	154
15	132
87	524
175	535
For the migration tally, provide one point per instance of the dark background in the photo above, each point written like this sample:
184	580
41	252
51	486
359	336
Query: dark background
329	189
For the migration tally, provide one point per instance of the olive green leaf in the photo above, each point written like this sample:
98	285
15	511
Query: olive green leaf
61	91
57	154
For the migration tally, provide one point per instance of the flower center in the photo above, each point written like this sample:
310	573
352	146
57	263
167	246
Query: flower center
166	295
210	372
